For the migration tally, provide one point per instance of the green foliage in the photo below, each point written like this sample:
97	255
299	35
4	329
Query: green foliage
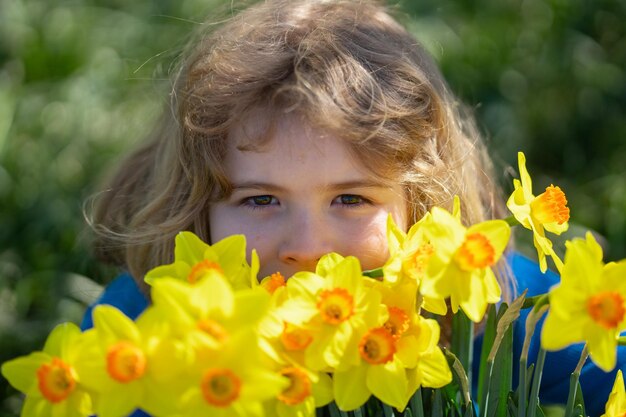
546	77
81	81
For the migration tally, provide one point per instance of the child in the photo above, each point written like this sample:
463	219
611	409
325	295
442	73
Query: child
302	124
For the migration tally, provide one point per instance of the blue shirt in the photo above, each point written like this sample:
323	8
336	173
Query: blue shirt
124	294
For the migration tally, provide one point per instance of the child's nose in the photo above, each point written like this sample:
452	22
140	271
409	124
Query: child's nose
305	241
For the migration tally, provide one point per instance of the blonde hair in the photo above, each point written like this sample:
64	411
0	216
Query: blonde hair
347	67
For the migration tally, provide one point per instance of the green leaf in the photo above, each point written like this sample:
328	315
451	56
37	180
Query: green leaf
534	388
488	337
459	375
497	385
416	405
437	410
508	316
388	411
512	406
463	340
579	401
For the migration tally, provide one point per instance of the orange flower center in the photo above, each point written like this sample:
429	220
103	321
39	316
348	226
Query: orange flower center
299	386
55	380
419	260
336	305
606	309
377	346
273	282
220	387
476	252
295	338
397	323
125	362
550	206
202	268
213	328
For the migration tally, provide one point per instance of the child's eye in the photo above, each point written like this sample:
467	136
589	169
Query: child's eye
260	201
350	200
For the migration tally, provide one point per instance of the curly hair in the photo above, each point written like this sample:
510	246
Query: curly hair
347	67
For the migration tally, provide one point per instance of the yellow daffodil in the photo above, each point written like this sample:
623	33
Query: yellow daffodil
209	311
545	212
305	392
49	378
616	405
285	343
121	364
392	368
232	381
589	305
409	254
395	358
333	304
273	282
460	266
194	259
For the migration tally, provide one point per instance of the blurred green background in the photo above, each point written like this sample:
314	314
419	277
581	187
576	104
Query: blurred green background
83	80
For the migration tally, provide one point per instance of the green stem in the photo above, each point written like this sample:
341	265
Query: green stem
536	301
416	404
522	395
531	322
573	382
463	342
534	389
485	401
511	220
374	273
388	411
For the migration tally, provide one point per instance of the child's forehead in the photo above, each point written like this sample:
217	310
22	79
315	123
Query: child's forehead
258	128
289	147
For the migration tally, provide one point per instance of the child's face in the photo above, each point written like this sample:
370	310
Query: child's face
303	196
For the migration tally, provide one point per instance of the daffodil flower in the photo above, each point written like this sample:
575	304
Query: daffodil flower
126	366
194	259
305	392
545	212
333	304
589	304
460	266
409	254
395	360
285	343
616	404
233	381
208	312
49	378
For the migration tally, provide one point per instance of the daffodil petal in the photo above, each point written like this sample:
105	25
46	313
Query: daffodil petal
120	403
189	248
112	324
557	334
62	339
350	389
602	347
433	369
388	382
323	390
305	408
213	293
22	372
327	263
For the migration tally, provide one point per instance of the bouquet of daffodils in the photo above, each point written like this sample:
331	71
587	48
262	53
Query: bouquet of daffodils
339	341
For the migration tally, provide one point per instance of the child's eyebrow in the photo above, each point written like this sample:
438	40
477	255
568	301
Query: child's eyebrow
266	186
357	184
